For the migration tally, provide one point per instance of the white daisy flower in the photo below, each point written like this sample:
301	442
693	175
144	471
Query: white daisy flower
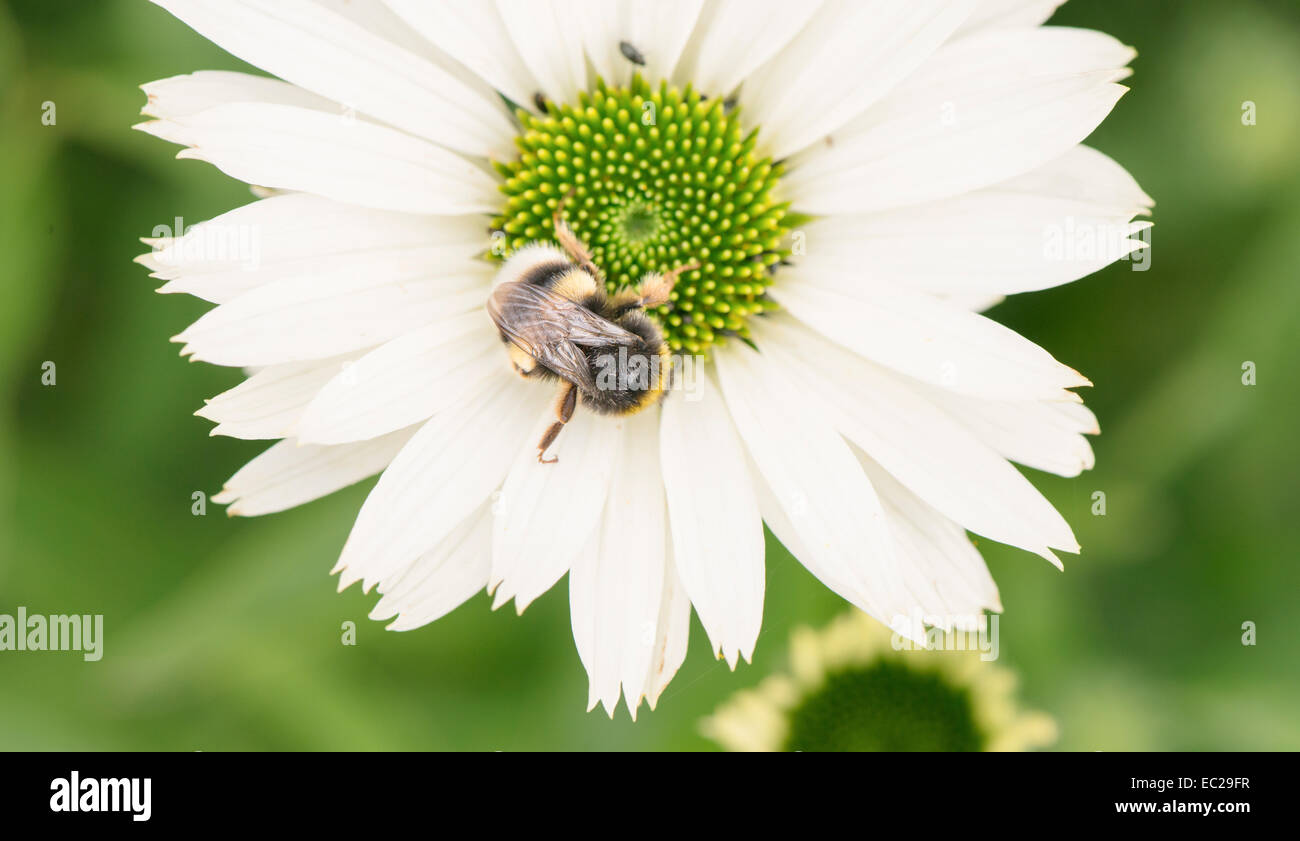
855	181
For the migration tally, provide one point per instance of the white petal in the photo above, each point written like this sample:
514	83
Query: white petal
735	37
884	608
186	95
1085	175
928	339
671	636
269	403
923	447
376	16
819	484
546	513
583	580
449	467
717	531
293	233
974	302
548	38
472	32
1022	235
658	31
1079	416
441	579
634	536
616	592
936	547
291	148
1036	434
405	381
850	54
1008	14
322	51
982	110
288	474
359	301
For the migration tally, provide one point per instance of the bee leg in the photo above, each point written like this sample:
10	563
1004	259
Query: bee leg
569	241
655	288
549	438
565	403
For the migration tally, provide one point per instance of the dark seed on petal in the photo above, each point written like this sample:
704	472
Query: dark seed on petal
631	53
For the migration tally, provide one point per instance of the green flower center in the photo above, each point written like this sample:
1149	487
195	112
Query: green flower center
885	707
659	179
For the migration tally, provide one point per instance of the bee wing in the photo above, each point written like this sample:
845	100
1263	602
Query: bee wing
552	329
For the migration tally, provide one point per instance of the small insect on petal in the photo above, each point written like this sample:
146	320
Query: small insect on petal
631	53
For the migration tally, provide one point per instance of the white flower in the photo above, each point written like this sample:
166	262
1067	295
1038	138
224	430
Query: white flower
931	150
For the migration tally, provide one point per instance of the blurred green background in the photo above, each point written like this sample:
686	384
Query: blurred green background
225	633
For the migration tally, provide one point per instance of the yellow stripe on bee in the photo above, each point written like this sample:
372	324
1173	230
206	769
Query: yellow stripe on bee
575	285
523	362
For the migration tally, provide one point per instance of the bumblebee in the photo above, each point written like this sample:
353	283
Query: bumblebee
558	324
